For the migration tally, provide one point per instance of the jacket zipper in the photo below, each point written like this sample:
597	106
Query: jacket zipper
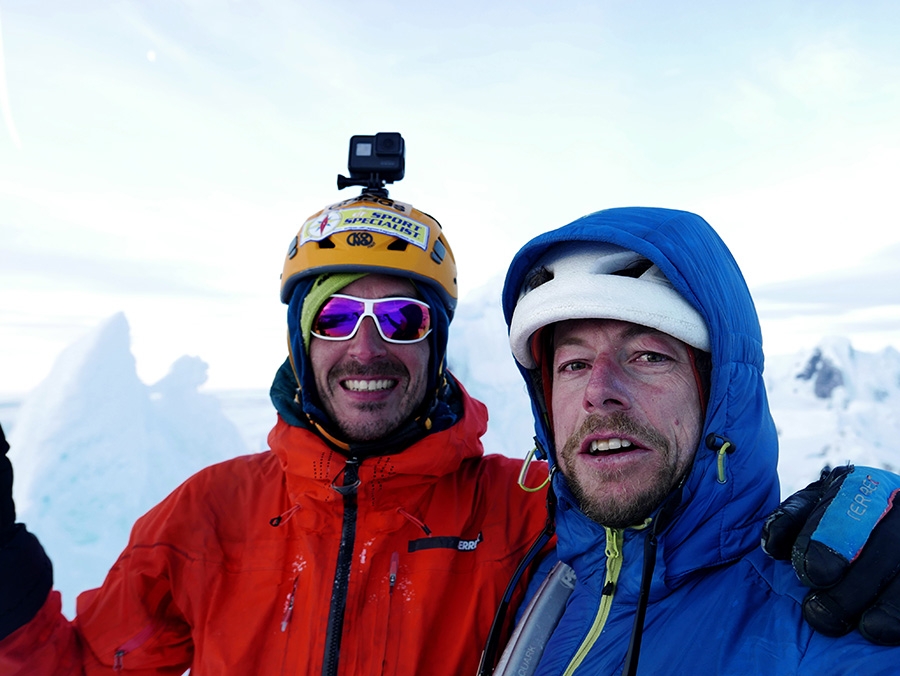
342	570
131	644
614	539
392	577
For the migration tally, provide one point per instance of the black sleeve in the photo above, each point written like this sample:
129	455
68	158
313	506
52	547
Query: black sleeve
26	577
26	574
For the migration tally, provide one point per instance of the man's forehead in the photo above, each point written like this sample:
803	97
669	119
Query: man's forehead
577	331
377	285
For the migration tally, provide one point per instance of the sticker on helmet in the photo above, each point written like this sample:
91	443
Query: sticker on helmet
364	218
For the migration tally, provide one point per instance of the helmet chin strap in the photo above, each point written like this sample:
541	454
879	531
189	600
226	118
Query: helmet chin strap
293	367
320	430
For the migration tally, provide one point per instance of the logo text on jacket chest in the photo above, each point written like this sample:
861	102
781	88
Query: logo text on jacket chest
445	542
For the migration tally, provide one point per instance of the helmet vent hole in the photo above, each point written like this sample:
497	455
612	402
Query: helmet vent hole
397	245
536	278
635	269
326	243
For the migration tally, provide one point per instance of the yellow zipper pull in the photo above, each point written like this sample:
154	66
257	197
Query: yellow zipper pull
614	559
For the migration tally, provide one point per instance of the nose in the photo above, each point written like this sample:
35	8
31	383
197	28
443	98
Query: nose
606	389
367	344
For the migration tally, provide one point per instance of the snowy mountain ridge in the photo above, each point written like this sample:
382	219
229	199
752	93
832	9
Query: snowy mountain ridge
833	404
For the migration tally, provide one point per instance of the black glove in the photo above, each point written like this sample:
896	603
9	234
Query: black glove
26	574
7	508
842	535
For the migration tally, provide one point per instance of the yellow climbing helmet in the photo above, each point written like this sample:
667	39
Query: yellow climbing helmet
370	233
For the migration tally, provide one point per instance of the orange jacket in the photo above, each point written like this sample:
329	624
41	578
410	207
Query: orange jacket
236	572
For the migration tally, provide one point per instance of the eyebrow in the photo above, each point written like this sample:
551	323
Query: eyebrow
633	331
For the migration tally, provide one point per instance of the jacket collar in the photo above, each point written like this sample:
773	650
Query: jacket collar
445	408
311	465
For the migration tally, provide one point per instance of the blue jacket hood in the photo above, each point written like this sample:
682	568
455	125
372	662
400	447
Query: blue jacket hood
720	519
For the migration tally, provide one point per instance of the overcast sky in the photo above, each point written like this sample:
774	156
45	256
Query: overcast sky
157	157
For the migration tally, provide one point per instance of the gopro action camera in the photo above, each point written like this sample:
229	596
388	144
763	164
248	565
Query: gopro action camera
374	161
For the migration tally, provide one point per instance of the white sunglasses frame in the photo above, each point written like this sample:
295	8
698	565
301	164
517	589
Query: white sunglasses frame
369	311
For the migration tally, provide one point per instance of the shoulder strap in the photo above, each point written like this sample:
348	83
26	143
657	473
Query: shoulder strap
530	637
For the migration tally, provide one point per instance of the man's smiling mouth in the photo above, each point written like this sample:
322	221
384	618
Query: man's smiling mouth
606	445
368	385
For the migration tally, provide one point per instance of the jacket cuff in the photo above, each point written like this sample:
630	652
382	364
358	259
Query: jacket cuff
26	577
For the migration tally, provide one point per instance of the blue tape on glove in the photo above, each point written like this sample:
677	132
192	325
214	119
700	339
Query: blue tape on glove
863	499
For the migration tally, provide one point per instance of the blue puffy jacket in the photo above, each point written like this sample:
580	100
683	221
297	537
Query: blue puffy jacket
716	603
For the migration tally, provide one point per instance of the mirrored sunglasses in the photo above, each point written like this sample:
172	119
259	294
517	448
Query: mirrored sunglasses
399	320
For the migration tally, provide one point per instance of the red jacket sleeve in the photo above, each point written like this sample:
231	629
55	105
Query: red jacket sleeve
130	624
47	646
